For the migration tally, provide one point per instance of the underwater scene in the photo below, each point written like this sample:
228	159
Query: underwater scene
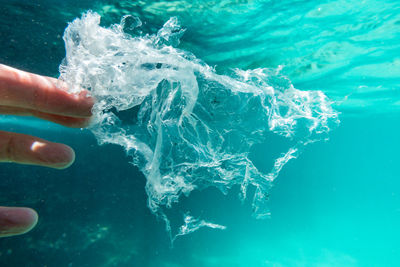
224	133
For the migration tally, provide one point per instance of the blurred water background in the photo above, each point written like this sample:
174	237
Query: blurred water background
338	204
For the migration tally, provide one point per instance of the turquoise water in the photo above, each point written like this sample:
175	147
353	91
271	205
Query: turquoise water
337	204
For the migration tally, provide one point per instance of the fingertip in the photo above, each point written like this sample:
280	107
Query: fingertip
66	164
55	155
32	219
86	102
63	158
17	220
27	149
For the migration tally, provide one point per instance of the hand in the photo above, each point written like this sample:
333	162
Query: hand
27	94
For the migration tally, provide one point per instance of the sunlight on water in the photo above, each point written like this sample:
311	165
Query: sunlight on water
347	49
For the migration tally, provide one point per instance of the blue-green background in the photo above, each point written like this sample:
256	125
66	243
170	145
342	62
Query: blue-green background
338	204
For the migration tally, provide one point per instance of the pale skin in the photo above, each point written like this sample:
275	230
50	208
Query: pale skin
27	94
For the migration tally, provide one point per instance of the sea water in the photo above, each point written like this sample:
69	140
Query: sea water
335	204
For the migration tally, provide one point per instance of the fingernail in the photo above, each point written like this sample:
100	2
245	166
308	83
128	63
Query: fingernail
57	156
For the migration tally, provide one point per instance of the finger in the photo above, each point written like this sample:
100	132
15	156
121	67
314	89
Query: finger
35	92
16	221
63	120
27	149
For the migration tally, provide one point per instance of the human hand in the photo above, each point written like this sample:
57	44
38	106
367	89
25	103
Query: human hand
27	94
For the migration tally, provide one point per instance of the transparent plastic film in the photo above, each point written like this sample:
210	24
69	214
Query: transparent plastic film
186	126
